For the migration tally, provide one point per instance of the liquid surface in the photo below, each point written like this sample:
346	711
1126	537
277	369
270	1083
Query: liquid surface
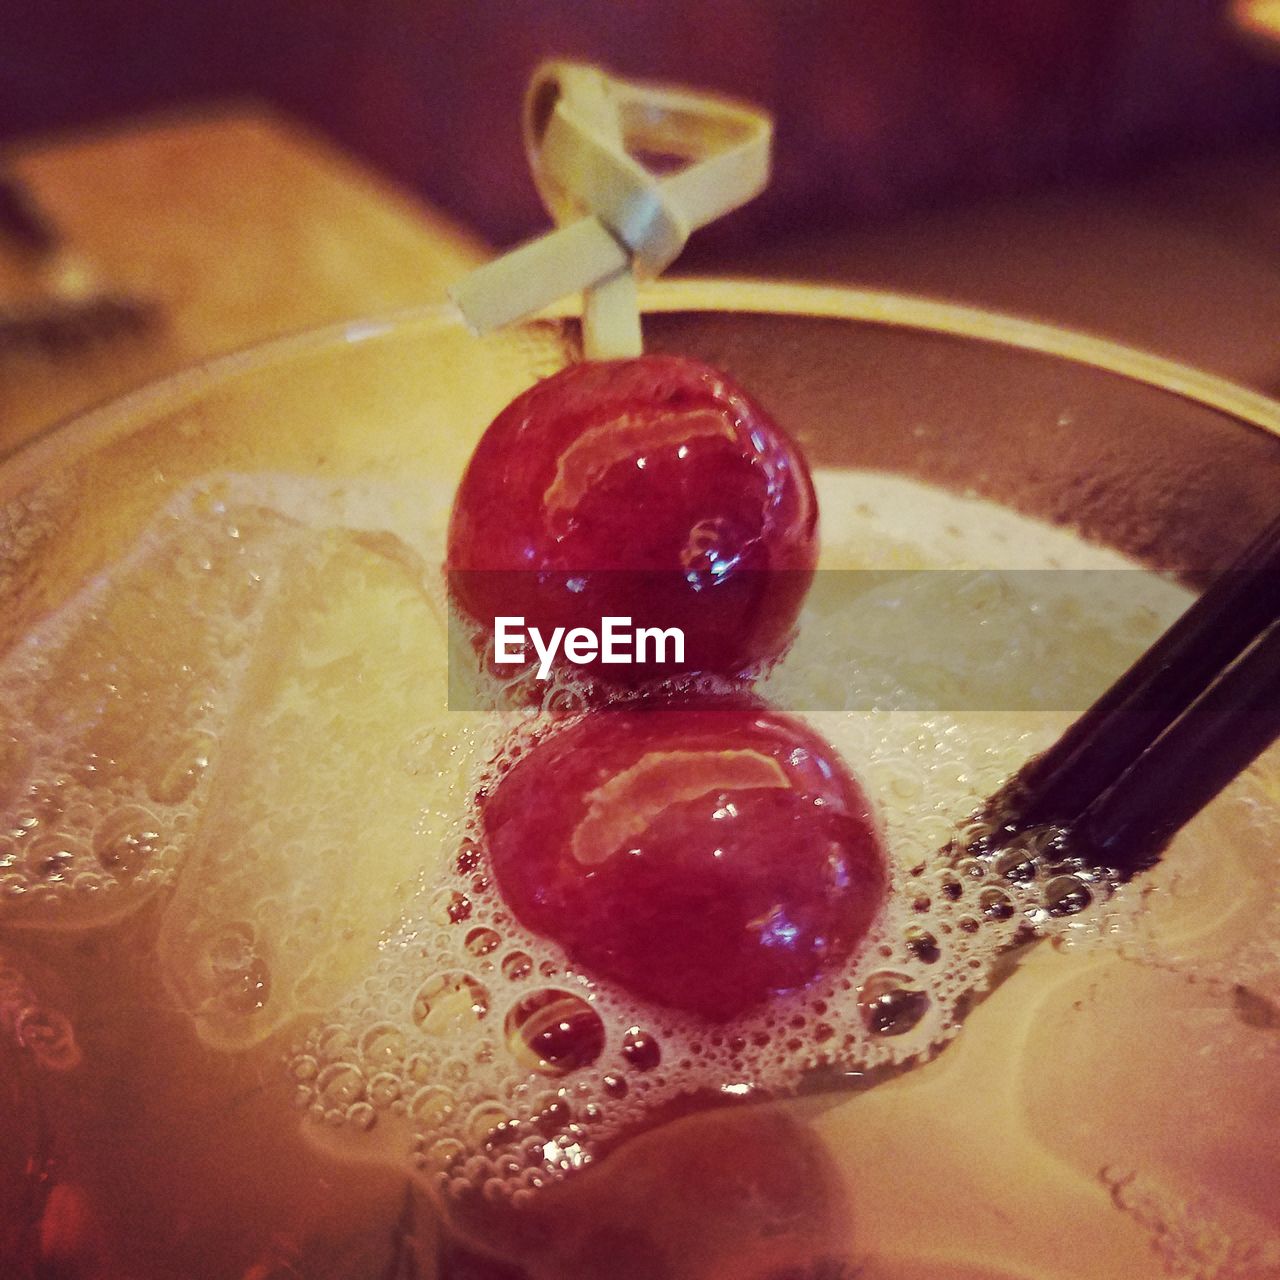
246	930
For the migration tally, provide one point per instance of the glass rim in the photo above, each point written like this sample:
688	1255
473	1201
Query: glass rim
727	295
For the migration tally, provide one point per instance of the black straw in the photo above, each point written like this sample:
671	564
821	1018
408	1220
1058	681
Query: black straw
1217	737
1061	784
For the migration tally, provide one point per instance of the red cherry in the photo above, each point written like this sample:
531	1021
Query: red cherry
701	856
687	502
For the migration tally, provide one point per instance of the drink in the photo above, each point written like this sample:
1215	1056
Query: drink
267	1101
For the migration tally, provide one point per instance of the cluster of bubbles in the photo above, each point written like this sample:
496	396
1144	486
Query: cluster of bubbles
341	788
477	1050
499	1068
111	712
279	735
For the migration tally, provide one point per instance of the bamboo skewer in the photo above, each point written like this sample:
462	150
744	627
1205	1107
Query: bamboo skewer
618	221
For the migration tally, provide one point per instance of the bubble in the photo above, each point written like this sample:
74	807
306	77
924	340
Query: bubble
384	1089
1066	896
484	1120
336	1043
1016	865
240	977
448	1003
175	776
891	1003
340	1085
450	907
923	945
127	841
482	941
54	858
995	904
554	1115
382	1045
305	1068
442	1155
362	1116
640	1049
554	1032
419	1068
516	965
430	1106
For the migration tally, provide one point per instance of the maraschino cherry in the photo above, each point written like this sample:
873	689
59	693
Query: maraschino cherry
703	856
649	488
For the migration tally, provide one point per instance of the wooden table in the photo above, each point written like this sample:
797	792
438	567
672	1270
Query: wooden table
241	225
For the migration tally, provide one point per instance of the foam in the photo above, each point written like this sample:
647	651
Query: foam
327	881
122	695
502	1121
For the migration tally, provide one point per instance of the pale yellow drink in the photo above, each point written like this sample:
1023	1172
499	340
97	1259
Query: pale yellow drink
261	1022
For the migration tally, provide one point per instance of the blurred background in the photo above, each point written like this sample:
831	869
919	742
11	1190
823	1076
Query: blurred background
182	178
